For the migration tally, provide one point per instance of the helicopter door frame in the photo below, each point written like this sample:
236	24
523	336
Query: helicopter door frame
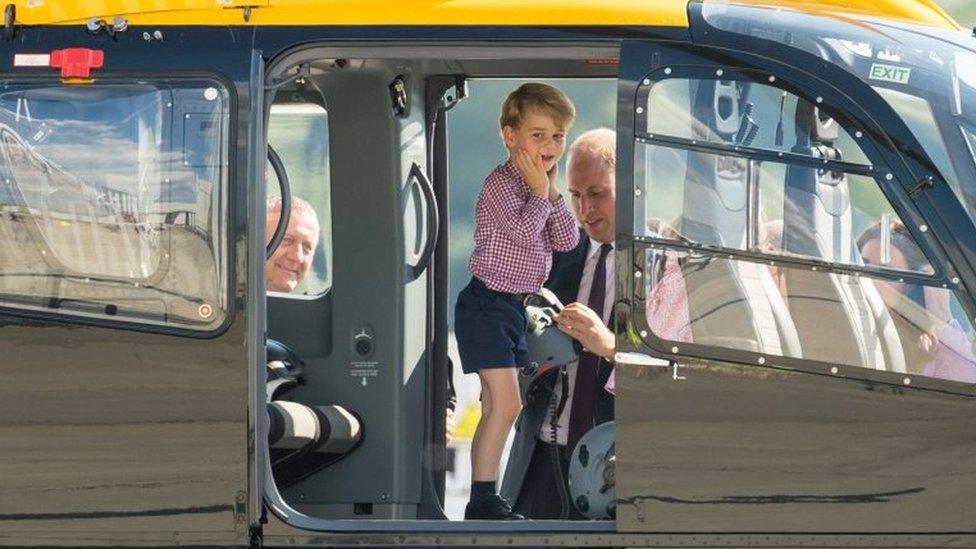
668	406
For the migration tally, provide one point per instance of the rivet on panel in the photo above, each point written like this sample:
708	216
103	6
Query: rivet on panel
955	280
772	79
640	110
858	134
674	350
719	72
762	360
643	333
667	70
889	177
647	81
637	274
637	192
834	370
923	228
819	100
907	381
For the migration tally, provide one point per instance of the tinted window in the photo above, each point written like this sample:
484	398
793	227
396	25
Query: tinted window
112	201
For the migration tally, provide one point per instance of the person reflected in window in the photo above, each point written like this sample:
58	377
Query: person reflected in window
291	263
667	309
934	343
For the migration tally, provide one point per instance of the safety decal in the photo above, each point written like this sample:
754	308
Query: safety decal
890	73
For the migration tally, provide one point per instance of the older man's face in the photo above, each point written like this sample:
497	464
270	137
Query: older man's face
292	261
592	186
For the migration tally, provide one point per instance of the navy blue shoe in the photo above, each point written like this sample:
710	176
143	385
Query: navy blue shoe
490	507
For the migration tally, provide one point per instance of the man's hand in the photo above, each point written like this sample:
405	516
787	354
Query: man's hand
532	172
584	325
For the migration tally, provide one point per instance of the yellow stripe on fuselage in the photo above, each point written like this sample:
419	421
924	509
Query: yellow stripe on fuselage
652	13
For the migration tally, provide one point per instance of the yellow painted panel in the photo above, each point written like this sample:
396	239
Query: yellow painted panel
361	12
671	13
923	12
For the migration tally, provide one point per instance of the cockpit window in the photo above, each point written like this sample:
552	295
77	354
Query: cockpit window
744	115
732	162
112	201
927	75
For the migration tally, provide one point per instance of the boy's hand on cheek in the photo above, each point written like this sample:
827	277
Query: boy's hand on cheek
532	172
553	174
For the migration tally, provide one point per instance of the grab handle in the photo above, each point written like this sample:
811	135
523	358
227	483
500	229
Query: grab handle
433	220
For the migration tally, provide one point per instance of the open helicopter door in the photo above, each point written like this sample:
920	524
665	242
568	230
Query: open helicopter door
126	164
785	294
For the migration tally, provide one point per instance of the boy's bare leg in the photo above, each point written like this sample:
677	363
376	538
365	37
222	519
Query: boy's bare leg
476	439
500	406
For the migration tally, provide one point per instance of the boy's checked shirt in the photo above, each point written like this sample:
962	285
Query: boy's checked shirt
516	232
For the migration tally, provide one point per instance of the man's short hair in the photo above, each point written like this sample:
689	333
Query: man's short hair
298	206
597	143
537	96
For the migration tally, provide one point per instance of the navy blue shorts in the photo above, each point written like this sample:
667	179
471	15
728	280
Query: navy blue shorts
490	329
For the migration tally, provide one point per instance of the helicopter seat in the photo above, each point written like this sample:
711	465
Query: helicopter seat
731	303
840	318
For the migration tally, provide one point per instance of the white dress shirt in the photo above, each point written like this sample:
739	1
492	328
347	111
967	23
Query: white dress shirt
583	296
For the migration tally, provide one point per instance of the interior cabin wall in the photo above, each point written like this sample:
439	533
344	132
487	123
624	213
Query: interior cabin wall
375	216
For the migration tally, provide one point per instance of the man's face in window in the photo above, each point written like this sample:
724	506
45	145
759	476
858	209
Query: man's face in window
292	261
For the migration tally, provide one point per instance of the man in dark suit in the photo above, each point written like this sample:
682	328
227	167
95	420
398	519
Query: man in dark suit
574	394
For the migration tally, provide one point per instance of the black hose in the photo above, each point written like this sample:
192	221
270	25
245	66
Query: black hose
556	406
279	168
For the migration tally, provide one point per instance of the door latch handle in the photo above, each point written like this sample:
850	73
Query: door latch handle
926	183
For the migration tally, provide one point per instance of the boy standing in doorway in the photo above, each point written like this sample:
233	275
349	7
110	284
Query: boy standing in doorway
520	219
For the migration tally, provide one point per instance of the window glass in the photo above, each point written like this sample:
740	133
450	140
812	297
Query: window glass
760	206
783	311
747	114
112	200
934	66
299	133
917	114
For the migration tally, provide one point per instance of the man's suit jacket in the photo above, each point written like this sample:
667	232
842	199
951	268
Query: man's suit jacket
564	281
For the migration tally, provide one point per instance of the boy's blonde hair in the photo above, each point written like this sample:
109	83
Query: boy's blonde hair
534	95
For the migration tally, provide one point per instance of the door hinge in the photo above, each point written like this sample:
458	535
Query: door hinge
240	508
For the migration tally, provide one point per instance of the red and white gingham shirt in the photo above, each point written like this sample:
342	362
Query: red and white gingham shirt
516	232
